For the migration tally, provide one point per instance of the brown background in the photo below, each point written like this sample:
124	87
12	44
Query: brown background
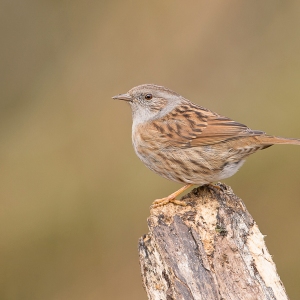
74	197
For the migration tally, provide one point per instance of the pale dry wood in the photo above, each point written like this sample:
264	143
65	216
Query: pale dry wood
210	249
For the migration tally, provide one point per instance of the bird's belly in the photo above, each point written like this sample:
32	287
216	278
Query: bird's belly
177	165
197	165
228	170
160	163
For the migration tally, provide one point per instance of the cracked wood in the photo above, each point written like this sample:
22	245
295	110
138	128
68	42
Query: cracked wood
210	249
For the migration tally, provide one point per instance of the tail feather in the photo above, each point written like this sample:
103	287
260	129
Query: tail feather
271	140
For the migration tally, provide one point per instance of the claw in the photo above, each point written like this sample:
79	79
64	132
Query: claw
171	198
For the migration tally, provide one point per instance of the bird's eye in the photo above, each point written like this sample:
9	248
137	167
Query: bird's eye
148	96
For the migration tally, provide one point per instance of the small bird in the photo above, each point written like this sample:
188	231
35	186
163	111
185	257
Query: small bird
187	143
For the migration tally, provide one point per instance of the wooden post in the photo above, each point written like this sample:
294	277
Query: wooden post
210	249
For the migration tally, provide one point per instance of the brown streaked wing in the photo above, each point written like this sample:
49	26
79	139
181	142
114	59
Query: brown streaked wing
196	127
220	129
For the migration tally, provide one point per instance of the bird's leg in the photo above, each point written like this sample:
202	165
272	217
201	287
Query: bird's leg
212	185
171	198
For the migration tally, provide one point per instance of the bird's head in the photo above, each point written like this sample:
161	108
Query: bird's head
149	101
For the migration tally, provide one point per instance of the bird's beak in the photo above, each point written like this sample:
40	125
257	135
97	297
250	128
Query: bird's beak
125	97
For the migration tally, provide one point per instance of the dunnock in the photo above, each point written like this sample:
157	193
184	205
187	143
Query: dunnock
188	143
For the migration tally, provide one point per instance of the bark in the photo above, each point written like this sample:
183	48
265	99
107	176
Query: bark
209	249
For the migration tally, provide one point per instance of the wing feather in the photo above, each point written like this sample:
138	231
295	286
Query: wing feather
198	127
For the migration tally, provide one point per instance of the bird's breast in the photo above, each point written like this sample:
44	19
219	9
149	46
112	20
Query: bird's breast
180	165
144	142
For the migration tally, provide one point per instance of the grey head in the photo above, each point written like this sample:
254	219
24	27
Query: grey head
149	102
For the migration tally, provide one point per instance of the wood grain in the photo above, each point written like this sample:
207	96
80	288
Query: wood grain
209	249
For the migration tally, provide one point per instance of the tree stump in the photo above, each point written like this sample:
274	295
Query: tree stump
210	249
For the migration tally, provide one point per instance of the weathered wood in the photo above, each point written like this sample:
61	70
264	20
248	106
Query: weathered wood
210	249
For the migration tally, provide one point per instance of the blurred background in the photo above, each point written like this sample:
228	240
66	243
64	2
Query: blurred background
74	197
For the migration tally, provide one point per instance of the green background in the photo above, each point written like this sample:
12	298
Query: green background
74	197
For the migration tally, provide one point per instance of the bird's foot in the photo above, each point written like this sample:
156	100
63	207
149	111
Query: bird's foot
171	198
166	200
213	186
